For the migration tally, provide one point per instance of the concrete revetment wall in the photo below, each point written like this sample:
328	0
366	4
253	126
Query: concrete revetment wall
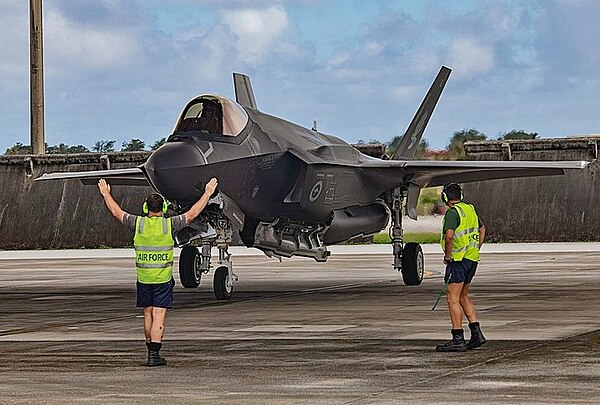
537	209
63	214
67	214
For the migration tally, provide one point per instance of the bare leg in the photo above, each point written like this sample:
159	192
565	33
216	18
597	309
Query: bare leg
467	305
158	324
454	306
147	322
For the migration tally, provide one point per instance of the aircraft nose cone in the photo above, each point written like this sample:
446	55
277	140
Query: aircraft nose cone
176	170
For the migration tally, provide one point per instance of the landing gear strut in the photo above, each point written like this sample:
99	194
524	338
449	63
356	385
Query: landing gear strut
408	258
193	263
224	277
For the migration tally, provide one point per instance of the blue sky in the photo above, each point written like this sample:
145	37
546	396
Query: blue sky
116	69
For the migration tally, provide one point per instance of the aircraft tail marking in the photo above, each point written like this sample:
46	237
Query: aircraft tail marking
411	138
244	94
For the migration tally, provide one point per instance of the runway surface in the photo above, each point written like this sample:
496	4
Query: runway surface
346	331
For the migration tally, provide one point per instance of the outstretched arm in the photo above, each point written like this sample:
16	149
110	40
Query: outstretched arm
197	208
112	205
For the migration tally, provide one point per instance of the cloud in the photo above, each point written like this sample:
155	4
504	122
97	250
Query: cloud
469	57
257	30
14	55
87	47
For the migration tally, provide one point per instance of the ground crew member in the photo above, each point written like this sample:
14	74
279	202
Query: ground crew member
462	237
153	243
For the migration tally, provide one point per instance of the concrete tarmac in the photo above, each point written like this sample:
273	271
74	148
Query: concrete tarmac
341	332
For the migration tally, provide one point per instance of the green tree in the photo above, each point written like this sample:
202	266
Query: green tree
56	149
66	149
78	149
19	149
456	144
514	134
133	145
159	143
104	146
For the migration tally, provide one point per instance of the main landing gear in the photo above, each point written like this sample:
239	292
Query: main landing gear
408	257
194	262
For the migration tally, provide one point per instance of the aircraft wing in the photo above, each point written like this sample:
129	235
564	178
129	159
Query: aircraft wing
419	173
122	177
439	172
385	175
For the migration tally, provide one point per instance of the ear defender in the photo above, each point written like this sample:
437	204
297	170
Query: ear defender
165	207
444	195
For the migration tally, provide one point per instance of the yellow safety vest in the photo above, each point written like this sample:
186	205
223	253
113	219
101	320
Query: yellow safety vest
153	244
465	243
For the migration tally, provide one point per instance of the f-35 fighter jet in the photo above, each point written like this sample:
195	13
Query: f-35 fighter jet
290	190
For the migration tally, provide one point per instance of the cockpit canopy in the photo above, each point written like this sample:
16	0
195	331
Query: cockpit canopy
212	114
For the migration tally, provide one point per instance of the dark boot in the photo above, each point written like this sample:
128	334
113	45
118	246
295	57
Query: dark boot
477	338
154	358
457	344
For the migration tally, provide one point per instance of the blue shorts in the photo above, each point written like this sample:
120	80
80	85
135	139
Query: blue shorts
155	295
460	272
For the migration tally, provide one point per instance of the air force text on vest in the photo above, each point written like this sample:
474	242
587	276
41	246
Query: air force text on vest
153	257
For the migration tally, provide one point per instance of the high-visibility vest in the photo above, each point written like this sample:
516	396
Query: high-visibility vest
153	244
465	243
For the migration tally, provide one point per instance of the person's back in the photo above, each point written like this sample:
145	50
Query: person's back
153	242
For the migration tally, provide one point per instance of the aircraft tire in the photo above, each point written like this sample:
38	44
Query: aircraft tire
222	291
413	264
189	274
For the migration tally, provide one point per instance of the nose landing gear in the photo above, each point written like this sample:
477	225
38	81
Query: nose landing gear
193	263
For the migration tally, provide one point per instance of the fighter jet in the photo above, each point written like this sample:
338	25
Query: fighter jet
290	190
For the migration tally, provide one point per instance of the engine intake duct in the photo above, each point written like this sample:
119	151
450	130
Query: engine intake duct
356	221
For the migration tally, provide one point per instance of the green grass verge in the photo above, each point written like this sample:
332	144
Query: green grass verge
418	237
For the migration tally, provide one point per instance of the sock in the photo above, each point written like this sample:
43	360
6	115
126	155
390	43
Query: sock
154	346
457	332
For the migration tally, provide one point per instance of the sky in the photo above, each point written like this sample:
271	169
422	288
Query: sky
123	69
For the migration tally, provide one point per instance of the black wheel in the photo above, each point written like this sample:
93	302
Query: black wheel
222	290
189	267
413	265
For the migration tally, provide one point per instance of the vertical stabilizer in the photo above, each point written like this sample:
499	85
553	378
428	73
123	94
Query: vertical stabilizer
243	90
409	142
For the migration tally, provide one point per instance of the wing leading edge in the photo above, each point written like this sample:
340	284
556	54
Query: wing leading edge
122	177
437	173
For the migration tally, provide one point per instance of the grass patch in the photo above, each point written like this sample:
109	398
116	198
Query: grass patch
418	237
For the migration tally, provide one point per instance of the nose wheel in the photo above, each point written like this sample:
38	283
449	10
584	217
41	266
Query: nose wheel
222	283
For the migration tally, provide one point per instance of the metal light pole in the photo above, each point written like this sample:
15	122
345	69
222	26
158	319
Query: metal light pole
36	46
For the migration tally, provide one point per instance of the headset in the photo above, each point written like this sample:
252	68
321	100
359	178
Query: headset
145	209
445	198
